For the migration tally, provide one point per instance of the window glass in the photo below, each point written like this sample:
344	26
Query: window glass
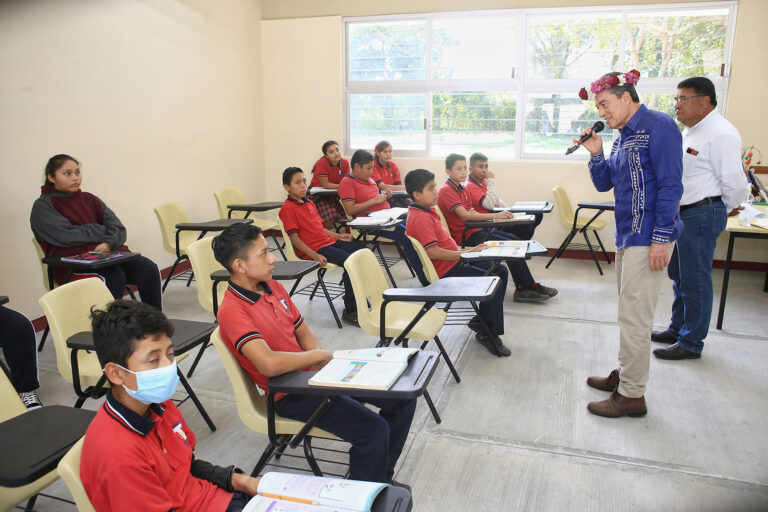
473	48
398	118
393	50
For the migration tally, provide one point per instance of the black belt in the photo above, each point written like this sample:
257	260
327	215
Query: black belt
706	200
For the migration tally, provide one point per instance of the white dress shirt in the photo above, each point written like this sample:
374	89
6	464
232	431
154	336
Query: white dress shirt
712	162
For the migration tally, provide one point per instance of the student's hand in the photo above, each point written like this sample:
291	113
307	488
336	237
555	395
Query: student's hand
380	198
102	247
735	211
347	237
323	357
388	193
244	483
320	258
594	144
503	215
478	248
658	258
489	174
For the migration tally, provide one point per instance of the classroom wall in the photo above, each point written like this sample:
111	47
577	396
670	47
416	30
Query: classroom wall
159	100
302	44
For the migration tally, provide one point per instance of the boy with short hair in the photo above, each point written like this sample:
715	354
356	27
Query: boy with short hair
138	450
311	239
424	225
359	195
268	336
453	200
481	185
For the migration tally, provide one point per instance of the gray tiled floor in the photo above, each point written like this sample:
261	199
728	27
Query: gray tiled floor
516	434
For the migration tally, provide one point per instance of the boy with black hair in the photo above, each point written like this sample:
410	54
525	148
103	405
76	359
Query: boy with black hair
424	225
359	195
456	205
138	450
481	185
268	336
311	239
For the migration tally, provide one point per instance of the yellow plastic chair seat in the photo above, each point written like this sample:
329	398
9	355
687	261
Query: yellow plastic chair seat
596	224
69	470
400	314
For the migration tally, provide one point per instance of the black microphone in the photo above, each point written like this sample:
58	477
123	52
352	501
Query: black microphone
597	127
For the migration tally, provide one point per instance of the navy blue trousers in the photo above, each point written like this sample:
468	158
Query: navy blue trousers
142	272
492	310
17	339
377	439
338	253
518	267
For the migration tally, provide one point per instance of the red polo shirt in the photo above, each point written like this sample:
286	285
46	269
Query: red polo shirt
477	192
424	225
389	174
449	197
360	191
131	462
302	218
334	173
246	316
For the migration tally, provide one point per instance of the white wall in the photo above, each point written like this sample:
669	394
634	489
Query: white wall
159	100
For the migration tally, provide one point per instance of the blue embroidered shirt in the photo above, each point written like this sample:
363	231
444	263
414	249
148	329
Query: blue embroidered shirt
645	170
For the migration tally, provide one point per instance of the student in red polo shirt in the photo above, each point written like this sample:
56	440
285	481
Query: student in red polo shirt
311	239
360	195
453	200
138	450
481	185
424	225
265	331
386	173
327	173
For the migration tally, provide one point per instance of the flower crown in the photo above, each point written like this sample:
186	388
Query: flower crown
605	82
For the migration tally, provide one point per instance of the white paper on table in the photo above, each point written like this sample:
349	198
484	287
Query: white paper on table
751	212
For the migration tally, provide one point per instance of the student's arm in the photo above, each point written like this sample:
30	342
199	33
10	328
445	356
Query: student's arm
224	477
116	232
271	363
339	236
492	197
326	183
354	209
438	253
466	215
306	337
54	228
304	248
384	186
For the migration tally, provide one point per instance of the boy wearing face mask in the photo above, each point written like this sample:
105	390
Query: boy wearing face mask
138	450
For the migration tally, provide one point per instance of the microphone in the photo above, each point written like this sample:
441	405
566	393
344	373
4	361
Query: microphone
597	127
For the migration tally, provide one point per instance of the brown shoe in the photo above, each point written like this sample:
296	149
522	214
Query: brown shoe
618	405
609	383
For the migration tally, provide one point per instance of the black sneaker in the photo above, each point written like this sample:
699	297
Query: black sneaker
530	295
30	400
350	316
474	324
546	290
493	344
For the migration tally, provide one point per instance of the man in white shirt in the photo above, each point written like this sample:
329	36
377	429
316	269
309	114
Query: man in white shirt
713	186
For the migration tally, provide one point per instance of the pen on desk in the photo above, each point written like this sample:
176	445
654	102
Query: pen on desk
288	498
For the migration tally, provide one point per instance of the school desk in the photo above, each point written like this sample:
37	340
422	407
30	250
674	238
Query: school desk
77	266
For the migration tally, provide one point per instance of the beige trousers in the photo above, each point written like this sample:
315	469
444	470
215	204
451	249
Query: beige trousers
638	294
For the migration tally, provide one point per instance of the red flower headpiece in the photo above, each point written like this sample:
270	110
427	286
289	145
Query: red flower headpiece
607	81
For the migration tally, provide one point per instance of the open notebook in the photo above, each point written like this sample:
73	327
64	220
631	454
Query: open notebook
365	368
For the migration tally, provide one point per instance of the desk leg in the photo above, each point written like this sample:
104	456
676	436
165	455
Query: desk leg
311	457
563	246
312	421
447	360
726	276
592	251
431	406
386	267
196	400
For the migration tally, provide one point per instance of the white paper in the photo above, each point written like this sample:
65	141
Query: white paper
329	492
393	354
391	213
750	212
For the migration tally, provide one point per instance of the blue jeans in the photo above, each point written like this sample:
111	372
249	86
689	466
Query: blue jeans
690	269
492	310
338	253
377	439
518	267
398	235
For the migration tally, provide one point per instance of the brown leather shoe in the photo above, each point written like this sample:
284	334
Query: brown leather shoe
609	383
618	405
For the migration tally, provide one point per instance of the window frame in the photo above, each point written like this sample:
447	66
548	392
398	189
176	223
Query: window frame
520	84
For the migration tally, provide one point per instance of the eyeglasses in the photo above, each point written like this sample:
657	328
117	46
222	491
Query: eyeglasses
682	99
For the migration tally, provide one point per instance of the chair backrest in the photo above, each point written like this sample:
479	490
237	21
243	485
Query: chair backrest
289	251
226	196
564	208
168	215
368	282
68	310
426	263
442	218
201	258
251	405
10	403
43	266
69	471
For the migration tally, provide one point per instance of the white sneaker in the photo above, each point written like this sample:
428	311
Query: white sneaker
31	400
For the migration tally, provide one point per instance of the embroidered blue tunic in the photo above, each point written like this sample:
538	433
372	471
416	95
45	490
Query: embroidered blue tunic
645	170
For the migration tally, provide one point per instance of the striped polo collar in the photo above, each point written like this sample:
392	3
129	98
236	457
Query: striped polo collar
142	425
247	295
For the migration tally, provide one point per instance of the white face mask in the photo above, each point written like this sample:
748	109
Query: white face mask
154	386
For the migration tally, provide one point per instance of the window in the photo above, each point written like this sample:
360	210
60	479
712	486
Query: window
506	82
